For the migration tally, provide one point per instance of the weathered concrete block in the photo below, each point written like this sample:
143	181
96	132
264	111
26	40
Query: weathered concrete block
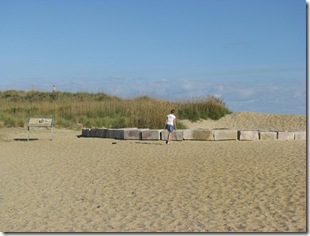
267	135
129	134
94	133
102	132
225	134
86	132
151	134
176	135
248	135
301	135
120	133
111	133
134	134
198	134
285	135
117	133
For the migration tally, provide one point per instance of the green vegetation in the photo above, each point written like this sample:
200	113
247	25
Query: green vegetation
77	110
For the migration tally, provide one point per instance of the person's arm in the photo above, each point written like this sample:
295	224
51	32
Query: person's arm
165	123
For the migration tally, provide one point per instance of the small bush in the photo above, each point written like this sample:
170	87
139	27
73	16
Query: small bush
62	123
180	125
205	108
9	121
21	123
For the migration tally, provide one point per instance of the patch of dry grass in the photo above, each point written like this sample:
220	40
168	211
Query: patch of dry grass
76	110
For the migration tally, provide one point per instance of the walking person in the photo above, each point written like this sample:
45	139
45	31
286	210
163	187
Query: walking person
170	124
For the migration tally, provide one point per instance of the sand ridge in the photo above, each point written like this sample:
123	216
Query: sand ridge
253	121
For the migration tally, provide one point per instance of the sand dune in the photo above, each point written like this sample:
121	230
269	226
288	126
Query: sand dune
76	184
255	121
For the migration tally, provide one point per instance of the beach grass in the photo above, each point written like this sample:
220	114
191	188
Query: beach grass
81	109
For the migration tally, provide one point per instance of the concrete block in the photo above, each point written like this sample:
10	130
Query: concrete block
111	133
120	133
248	135
198	134
267	135
102	132
94	133
134	134
285	135
301	135
129	134
176	135
151	134
117	133
86	132
225	134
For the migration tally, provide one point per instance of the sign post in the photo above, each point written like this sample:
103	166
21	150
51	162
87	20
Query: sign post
40	122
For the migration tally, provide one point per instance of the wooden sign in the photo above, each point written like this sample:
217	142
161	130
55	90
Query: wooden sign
40	122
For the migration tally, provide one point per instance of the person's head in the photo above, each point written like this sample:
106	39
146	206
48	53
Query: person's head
172	111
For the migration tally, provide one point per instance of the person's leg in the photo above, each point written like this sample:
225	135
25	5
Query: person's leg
168	136
170	129
168	139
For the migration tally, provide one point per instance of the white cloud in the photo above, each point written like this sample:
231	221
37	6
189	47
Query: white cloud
246	92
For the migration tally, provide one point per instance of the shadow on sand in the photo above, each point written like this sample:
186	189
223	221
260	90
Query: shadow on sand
25	139
150	143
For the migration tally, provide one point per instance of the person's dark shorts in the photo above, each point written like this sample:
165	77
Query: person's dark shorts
169	128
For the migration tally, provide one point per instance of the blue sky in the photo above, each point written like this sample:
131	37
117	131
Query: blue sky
252	54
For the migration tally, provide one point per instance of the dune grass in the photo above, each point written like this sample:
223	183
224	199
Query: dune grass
77	110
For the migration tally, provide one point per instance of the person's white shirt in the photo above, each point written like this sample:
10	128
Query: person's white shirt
170	119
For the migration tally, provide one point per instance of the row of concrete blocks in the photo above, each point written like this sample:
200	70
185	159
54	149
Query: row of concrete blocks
193	134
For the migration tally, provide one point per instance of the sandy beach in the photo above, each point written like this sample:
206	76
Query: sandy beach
74	184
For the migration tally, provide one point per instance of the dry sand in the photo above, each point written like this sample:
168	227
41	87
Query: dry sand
254	121
76	184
